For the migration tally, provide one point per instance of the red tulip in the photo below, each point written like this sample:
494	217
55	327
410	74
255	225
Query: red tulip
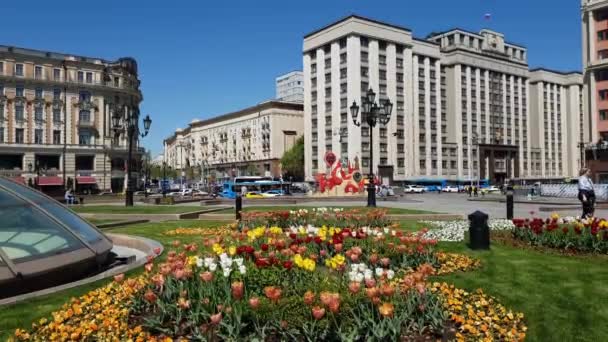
119	277
206	276
148	267
370	282
287	264
354	287
264	247
216	319
157	250
309	297
323	252
149	258
373	259
338	247
318	312
150	296
254	302
273	293
385	262
237	289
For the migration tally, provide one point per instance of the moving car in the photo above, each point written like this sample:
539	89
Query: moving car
253	194
414	188
273	193
186	192
491	190
450	188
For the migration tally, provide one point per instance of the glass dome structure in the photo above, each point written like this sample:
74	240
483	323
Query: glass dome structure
43	244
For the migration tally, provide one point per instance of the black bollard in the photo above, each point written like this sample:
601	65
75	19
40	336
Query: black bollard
510	202
239	206
479	231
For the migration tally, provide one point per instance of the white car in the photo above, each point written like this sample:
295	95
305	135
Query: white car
450	188
186	192
418	189
491	190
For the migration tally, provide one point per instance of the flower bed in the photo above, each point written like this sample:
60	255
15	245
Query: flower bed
456	230
297	282
567	234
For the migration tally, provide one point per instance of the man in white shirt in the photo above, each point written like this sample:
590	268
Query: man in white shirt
586	194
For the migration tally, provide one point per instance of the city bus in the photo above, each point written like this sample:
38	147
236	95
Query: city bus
260	184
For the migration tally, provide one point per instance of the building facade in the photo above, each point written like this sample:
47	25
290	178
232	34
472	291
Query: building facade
290	87
462	104
250	141
55	118
594	18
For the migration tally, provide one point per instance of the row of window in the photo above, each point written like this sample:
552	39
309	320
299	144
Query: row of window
38	136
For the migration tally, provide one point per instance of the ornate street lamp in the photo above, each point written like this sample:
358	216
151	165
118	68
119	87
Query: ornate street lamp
372	114
129	121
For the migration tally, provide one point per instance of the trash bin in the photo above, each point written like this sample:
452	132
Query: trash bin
479	231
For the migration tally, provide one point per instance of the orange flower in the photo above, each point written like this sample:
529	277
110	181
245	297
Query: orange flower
119	277
254	302
206	276
386	309
325	297
318	312
148	267
237	289
371	292
273	293
216	319
354	287
371	282
309	297
387	290
150	296
183	303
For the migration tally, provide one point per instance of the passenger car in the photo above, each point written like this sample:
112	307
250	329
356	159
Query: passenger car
253	194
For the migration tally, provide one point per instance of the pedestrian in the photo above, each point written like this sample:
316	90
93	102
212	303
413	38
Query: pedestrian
475	190
470	190
69	198
586	194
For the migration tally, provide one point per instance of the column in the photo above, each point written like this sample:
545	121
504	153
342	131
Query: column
336	106
415	120
321	125
469	113
437	93
488	138
391	88
409	89
505	125
427	116
353	91
374	83
458	115
593	105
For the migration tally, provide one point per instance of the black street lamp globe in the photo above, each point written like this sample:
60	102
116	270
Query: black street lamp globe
372	114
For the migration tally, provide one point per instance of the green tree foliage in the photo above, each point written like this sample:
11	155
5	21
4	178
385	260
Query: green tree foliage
292	161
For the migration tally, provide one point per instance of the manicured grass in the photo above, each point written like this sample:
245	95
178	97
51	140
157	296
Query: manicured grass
296	207
141	209
563	297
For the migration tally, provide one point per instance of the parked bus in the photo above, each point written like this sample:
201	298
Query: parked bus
230	189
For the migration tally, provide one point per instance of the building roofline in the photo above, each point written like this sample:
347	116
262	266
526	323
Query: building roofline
354	16
57	55
422	40
556	71
249	110
475	33
289	72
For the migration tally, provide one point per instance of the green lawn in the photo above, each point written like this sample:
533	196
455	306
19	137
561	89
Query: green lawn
563	297
140	209
295	207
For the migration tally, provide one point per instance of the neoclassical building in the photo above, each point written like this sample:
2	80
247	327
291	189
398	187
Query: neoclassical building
466	105
250	141
55	118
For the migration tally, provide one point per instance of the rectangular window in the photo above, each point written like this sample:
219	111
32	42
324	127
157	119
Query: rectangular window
382	132
400	148
19	136
364	57
383	148
603	115
37	136
603	94
84	137
602	35
38	113
80	76
382	60
19	91
56	115
1	135
400	162
18	69
85	116
383	74
38	72
57	74
364	72
399	62
56	137
38	93
342	58
116	81
89	77
19	113
1	68
56	94
422	164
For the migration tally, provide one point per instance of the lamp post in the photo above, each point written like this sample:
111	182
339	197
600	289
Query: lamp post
372	114
129	121
145	168
164	182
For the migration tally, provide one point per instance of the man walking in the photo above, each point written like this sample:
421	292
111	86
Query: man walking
586	194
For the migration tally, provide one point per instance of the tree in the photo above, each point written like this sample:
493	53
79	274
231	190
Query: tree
292	162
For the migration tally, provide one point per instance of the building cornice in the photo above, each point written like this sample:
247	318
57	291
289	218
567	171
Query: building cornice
354	16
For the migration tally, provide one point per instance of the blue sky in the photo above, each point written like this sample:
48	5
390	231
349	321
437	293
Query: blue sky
203	58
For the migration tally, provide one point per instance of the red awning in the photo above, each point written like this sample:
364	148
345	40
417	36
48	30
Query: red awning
20	180
86	180
50	181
